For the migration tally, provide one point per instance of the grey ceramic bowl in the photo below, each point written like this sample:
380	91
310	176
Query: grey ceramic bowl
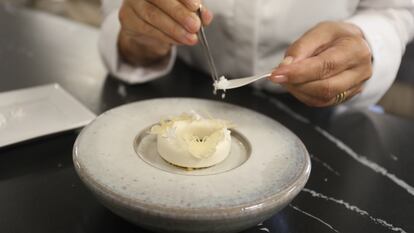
117	160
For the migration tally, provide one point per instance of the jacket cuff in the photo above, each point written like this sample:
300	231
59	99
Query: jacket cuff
386	49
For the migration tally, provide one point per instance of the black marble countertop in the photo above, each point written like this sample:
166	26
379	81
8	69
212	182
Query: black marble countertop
361	178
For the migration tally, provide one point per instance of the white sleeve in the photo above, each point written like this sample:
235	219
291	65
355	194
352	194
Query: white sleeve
388	25
108	47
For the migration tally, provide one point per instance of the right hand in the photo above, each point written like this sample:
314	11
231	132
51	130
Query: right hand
149	28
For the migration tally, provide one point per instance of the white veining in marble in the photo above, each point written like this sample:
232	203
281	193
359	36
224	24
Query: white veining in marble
361	159
354	209
314	217
282	107
262	228
289	111
327	166
393	157
122	91
265	229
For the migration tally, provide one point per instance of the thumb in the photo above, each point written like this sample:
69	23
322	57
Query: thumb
311	43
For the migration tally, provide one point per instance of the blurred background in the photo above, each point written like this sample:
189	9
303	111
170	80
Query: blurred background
85	11
399	100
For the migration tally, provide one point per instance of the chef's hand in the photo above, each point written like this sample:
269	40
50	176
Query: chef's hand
150	27
330	59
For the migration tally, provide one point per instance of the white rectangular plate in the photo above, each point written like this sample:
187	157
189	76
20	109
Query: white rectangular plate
38	111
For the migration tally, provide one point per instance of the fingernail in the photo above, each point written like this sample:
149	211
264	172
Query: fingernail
195	4
279	78
287	61
191	38
191	24
208	16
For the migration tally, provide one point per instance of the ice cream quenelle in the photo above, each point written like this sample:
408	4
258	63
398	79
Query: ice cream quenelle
192	141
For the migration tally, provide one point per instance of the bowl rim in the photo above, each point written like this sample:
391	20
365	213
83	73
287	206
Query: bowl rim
267	203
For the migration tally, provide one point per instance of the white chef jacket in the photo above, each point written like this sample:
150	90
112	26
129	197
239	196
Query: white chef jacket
250	37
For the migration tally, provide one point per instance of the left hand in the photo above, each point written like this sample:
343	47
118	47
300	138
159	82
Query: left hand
330	59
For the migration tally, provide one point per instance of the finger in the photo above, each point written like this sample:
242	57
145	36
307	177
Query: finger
344	54
316	102
306	99
192	5
347	95
158	19
180	13
140	29
313	41
327	89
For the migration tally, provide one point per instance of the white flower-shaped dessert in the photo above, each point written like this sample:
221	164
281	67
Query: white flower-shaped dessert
191	141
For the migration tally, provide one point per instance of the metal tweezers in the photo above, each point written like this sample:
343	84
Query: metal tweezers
206	48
